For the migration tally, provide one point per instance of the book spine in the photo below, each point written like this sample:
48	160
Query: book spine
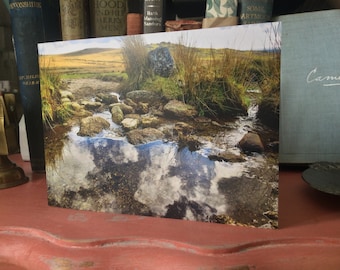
254	11
51	17
134	24
27	28
74	18
221	9
134	20
108	17
153	16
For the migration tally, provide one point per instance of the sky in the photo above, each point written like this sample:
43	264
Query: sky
240	37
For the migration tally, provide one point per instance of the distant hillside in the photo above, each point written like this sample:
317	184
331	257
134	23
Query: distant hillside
88	51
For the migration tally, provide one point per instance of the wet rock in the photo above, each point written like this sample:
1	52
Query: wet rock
77	109
146	96
251	142
227	157
117	114
130	102
65	100
202	119
183	128
126	109
140	136
217	124
91	105
133	116
161	62
143	107
273	146
149	121
107	98
178	109
66	94
191	142
92	125
130	123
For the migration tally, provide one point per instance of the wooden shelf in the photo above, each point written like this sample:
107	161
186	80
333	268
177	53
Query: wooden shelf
34	235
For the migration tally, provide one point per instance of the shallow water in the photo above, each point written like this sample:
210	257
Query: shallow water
107	173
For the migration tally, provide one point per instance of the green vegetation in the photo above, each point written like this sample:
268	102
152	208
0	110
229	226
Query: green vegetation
215	81
53	110
135	54
269	104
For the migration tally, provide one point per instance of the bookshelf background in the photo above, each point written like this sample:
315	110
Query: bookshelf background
173	9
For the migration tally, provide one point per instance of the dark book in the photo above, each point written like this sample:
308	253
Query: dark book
27	28
51	18
134	20
74	17
254	11
185	9
153	16
135	6
108	17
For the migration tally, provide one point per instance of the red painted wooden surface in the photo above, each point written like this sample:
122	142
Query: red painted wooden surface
34	235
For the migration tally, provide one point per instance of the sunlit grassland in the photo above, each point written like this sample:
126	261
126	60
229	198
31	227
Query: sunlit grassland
82	64
215	81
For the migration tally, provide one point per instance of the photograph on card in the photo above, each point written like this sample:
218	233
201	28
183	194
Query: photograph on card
180	125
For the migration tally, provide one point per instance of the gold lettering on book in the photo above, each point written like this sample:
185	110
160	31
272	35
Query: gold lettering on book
110	16
110	4
29	79
255	9
25	4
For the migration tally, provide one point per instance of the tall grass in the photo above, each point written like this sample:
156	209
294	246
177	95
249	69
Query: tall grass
207	80
215	81
269	104
135	55
53	110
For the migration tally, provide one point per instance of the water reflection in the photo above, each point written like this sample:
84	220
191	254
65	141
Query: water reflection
107	173
156	175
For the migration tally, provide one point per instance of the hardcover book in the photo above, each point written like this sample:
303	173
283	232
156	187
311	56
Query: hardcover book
51	19
310	88
108	17
74	19
28	30
220	13
254	11
153	16
173	125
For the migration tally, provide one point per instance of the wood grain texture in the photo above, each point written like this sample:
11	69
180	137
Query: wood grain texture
34	235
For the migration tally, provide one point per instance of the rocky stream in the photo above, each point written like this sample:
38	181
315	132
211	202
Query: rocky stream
146	156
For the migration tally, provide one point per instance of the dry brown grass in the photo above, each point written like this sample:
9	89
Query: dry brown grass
101	62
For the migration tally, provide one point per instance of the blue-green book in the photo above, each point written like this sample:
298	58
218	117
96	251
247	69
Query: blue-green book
310	88
28	30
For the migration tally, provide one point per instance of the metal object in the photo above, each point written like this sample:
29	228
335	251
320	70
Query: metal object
324	176
10	174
